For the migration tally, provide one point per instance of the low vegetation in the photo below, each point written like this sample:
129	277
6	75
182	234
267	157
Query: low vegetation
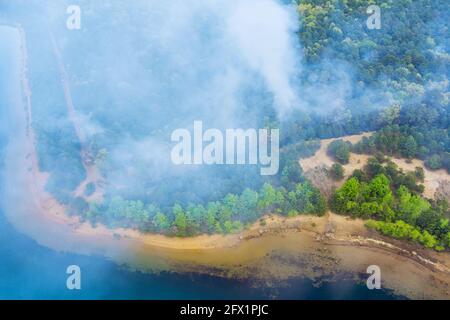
337	171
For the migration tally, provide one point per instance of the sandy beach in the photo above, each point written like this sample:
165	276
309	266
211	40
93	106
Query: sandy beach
280	248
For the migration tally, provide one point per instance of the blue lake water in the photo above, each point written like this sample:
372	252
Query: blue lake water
31	271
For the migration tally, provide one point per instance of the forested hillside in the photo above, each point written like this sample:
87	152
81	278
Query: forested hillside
399	87
348	80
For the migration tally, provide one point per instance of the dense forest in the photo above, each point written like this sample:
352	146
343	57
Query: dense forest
413	125
393	81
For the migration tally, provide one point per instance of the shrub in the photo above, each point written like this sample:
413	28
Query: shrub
434	162
340	150
337	171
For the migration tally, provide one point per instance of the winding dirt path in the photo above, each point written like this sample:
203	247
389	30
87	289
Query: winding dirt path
92	172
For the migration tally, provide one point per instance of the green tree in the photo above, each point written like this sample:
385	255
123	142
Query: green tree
340	150
434	162
408	147
291	174
419	173
337	171
248	205
428	240
378	189
410	207
228	226
270	199
373	167
161	222
345	199
218	228
180	222
211	219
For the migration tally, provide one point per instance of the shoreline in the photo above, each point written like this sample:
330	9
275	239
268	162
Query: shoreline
304	246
